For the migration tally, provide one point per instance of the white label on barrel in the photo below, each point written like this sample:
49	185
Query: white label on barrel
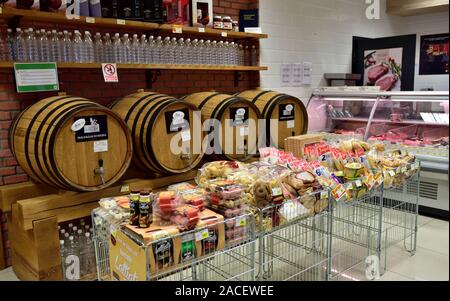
78	125
100	146
186	136
244	131
291	124
288	110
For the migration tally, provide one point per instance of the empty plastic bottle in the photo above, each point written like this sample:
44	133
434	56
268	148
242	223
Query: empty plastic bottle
149	54
159	51
72	260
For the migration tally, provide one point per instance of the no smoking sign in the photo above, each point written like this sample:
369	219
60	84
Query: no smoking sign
110	73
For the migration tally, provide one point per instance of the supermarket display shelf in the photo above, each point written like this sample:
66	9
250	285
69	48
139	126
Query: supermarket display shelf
152	66
365	120
7	13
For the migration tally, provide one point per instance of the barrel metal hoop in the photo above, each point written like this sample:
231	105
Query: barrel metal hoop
260	94
135	104
204	101
269	110
30	126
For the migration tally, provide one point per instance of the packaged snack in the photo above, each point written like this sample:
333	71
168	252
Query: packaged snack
217	170
185	217
165	205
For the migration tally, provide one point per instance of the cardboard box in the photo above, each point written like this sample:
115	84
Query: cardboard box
166	246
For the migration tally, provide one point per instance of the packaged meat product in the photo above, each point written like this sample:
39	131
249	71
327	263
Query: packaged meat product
185	217
376	72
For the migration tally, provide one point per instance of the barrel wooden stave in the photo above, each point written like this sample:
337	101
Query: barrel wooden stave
268	102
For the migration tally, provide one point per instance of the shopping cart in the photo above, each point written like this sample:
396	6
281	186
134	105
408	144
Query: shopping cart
294	245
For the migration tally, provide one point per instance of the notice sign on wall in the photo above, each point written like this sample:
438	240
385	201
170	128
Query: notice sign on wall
110	73
36	77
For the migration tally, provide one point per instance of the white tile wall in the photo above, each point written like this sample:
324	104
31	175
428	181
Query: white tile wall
321	31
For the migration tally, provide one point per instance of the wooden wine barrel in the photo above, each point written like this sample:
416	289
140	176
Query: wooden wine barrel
288	112
156	121
224	107
71	143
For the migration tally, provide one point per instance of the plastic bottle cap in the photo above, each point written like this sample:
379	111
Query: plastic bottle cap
66	235
70	237
61	242
79	231
87	234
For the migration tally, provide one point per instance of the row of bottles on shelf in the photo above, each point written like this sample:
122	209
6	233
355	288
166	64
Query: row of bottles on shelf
77	251
29	45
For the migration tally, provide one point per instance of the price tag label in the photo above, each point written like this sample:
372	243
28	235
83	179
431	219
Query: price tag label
276	191
324	194
338	192
325	157
391	173
404	169
186	136
339	173
358	183
224	34
291	124
160	234
90	20
121	22
241	221
125	189
113	230
177	29
201	235
201	29
101	146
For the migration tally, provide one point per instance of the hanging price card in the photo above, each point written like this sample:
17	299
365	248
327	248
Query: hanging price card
90	20
201	235
241	221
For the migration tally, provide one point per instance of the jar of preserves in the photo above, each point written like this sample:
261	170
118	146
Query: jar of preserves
218	23
235	26
227	23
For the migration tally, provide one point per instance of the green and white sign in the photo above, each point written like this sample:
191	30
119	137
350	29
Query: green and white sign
36	77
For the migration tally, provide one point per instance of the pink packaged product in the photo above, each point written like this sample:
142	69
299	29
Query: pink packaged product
165	205
229	192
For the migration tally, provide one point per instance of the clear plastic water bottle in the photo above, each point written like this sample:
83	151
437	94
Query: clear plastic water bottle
44	47
11	45
194	52
78	49
150	52
159	51
142	48
88	48
117	49
88	263
55	50
73	250
74	231
61	233
69	52
20	45
209	53
32	47
98	57
63	253
108	55
134	50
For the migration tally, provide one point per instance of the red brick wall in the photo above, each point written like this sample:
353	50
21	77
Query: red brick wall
89	84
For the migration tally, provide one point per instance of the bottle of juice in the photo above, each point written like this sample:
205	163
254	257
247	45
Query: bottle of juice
145	209
134	208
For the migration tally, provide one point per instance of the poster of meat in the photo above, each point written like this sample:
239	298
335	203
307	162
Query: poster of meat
434	54
383	68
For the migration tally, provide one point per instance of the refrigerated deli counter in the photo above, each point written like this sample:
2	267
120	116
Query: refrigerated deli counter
416	121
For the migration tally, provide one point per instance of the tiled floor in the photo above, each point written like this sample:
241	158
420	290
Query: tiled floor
431	261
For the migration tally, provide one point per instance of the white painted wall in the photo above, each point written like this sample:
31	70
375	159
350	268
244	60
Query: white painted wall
321	31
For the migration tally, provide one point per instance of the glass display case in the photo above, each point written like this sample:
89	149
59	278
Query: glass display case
416	121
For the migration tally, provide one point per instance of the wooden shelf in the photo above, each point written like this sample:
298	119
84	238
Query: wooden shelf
151	66
8	13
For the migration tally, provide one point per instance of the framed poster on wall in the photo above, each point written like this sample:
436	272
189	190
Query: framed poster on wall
383	68
433	54
202	13
388	63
